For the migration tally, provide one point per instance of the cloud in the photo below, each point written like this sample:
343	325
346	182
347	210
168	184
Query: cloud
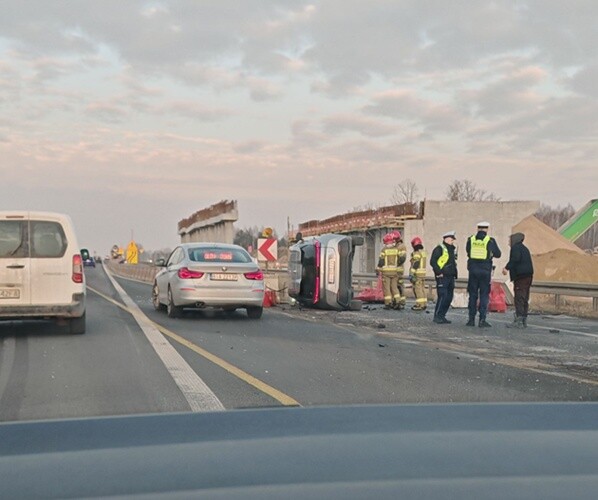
584	82
405	105
332	98
514	92
338	124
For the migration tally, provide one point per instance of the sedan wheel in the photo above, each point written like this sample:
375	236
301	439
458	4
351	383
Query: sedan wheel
255	312
171	310
156	298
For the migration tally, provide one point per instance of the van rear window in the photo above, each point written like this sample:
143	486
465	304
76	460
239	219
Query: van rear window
47	239
13	239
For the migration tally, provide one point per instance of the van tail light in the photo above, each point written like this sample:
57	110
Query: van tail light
77	268
187	274
255	275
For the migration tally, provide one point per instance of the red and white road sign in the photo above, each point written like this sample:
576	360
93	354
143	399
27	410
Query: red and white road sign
267	249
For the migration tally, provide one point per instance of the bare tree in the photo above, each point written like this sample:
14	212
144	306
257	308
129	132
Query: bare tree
554	217
405	191
466	190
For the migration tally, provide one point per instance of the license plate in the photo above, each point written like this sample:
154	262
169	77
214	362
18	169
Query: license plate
10	293
224	277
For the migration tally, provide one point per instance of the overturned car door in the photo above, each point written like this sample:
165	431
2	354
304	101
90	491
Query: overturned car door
321	271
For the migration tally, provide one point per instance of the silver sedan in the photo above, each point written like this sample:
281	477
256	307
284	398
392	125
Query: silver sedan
199	275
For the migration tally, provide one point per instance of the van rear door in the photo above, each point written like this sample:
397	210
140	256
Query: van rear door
15	269
51	266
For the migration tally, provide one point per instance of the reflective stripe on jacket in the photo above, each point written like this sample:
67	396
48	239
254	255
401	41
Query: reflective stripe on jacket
389	258
418	263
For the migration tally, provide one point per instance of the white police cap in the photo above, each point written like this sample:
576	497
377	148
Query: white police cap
450	234
483	224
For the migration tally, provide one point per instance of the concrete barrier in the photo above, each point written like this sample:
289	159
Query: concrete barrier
140	272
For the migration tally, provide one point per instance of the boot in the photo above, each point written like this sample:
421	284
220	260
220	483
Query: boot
517	323
484	324
471	321
524	321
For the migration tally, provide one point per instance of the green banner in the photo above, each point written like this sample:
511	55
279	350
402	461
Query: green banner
583	221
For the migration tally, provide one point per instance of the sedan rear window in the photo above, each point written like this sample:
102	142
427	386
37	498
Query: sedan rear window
207	254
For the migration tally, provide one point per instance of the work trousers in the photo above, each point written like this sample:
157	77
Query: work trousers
522	286
478	287
401	300
419	290
390	288
445	288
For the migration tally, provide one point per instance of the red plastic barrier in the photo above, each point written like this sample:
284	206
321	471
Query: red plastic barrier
498	298
372	294
269	298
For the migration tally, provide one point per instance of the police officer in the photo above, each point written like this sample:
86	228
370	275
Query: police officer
400	270
417	274
444	263
388	265
481	249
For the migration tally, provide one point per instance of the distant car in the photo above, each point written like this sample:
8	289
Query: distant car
87	258
321	271
41	268
201	275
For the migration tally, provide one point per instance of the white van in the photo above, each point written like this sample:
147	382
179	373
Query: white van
41	268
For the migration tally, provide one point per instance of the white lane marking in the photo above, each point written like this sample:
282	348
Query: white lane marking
8	345
199	396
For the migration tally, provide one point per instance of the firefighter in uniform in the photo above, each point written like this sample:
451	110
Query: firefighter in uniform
417	274
481	249
398	238
388	265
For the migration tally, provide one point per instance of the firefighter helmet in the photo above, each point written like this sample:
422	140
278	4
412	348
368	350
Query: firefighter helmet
416	241
396	235
388	238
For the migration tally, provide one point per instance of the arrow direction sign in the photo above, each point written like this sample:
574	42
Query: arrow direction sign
267	249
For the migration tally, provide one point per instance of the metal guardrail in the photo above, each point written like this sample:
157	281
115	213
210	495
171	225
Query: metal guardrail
556	288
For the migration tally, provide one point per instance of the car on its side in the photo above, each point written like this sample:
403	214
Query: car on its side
214	275
321	271
41	269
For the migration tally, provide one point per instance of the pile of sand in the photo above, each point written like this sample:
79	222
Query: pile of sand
540	238
565	265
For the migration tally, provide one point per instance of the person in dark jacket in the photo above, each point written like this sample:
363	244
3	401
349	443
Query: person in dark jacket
444	263
481	249
521	272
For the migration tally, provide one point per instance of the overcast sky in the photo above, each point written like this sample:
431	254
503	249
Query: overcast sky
131	115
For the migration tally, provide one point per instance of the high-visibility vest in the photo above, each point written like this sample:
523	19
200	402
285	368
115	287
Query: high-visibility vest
443	259
391	258
418	256
478	248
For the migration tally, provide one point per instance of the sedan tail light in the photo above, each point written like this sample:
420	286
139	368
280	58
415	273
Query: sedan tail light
187	274
255	275
77	268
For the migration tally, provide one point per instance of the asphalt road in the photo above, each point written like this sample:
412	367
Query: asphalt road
289	357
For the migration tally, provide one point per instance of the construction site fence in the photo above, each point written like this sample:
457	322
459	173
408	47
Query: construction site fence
276	280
